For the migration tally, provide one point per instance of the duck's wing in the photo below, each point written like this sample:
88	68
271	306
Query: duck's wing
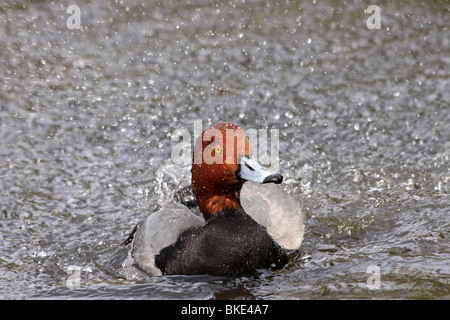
276	210
159	230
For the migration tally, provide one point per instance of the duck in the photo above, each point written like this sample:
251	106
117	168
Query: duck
246	221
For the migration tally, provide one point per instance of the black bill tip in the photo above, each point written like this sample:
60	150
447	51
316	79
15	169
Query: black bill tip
273	178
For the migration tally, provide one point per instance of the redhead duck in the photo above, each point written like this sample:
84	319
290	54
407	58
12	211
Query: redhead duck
247	222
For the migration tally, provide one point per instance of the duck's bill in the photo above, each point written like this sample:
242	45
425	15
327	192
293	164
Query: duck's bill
249	169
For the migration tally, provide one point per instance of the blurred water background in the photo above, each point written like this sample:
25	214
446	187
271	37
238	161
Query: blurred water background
87	115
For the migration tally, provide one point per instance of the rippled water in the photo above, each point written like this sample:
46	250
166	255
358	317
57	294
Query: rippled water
86	118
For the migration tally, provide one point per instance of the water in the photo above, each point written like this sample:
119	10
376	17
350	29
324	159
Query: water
86	118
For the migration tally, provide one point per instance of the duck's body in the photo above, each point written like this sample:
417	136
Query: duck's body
231	242
233	236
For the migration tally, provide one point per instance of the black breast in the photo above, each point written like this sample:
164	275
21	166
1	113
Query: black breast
231	242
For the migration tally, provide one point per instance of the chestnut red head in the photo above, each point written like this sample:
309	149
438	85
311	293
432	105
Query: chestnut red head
222	162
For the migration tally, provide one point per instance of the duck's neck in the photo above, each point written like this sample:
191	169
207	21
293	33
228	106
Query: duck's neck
220	200
218	203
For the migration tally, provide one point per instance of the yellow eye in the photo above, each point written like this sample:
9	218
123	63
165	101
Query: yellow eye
218	150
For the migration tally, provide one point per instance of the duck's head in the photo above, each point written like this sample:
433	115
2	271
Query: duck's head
222	162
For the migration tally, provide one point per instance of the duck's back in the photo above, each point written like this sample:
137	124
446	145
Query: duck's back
276	210
159	230
231	242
